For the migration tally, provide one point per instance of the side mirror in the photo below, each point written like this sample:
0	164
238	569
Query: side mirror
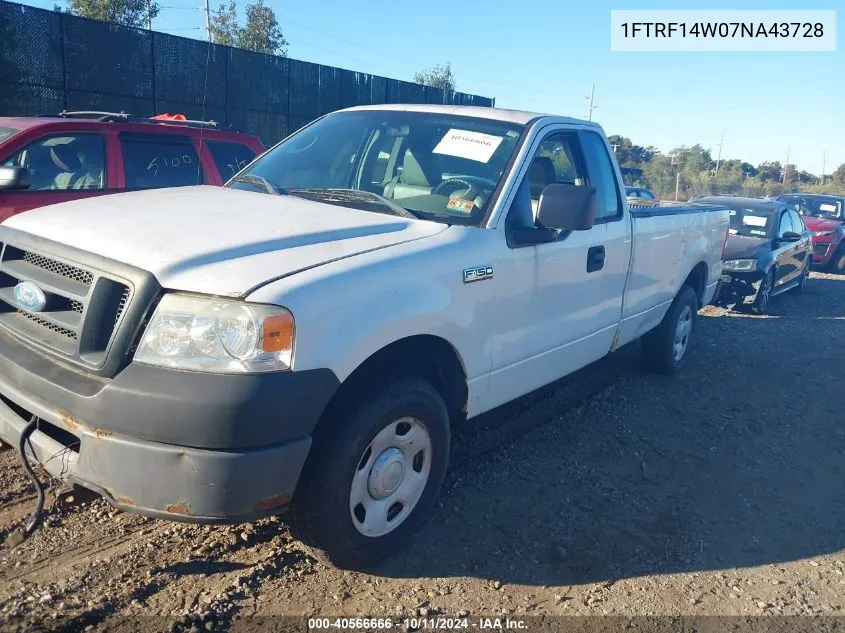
567	207
790	236
14	178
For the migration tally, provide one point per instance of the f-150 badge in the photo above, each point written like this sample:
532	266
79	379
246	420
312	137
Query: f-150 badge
477	273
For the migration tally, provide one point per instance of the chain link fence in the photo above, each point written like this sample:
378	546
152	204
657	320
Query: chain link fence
52	61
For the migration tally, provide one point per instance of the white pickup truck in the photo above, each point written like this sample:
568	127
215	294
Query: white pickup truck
308	335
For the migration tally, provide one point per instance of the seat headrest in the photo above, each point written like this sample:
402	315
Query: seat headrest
65	157
419	169
541	173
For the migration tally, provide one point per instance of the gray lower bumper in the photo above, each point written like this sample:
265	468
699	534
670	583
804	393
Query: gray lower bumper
179	483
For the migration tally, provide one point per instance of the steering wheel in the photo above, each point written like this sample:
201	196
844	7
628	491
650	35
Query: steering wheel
451	185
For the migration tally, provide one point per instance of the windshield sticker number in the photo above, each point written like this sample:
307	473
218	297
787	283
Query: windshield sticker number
827	207
460	205
753	220
470	145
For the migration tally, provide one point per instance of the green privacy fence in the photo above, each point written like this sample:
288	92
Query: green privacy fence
52	61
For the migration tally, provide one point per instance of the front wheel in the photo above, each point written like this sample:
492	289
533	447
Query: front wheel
373	475
666	347
805	274
837	263
764	294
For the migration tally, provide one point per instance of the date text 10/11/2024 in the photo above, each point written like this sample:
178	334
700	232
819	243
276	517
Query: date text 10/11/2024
416	624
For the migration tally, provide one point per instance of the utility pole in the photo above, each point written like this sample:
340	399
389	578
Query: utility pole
677	184
591	106
783	173
824	159
208	20
719	155
149	15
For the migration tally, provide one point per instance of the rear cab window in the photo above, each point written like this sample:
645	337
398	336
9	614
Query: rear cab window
159	160
601	174
229	157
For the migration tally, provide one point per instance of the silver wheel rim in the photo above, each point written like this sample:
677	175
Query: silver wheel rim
682	333
390	477
764	298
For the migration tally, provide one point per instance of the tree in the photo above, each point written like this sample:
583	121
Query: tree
262	33
127	12
438	76
839	175
224	25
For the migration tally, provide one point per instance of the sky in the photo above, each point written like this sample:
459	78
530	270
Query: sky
544	55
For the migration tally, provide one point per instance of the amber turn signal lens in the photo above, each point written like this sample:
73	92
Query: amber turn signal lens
277	333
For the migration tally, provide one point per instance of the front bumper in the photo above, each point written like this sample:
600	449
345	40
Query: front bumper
239	452
739	287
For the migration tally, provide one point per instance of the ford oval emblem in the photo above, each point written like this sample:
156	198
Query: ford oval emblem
29	296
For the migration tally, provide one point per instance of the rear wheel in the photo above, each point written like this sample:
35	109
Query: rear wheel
666	347
373	475
764	294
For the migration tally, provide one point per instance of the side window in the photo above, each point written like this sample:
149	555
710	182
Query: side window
63	162
600	170
554	162
229	157
785	224
797	222
159	160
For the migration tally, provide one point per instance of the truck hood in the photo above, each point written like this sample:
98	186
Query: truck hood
215	240
745	247
821	224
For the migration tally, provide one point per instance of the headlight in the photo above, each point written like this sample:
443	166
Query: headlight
739	264
822	233
217	335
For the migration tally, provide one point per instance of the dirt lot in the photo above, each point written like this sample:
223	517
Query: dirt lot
718	491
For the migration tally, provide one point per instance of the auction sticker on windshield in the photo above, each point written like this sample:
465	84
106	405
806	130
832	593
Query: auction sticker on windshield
470	145
753	220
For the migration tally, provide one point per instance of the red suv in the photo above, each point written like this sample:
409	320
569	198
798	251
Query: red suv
45	160
823	215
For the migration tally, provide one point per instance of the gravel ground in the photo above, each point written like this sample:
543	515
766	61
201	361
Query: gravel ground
612	492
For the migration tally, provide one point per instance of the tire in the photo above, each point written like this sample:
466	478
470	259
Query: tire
764	294
837	262
666	347
805	274
349	484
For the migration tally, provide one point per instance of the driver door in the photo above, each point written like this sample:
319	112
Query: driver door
559	303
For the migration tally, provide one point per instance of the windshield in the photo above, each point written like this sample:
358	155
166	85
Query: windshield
7	132
752	222
828	207
432	166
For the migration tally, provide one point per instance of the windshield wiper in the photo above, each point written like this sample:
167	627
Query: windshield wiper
260	182
349	197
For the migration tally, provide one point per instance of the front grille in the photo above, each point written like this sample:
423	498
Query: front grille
52	327
83	306
59	268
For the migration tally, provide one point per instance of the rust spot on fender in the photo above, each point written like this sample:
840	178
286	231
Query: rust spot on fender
271	503
183	508
125	501
69	421
101	434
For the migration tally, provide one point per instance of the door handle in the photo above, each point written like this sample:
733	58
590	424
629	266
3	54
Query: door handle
595	258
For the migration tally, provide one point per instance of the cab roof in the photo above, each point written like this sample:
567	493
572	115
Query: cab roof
521	117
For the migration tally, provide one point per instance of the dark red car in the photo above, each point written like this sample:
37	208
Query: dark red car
824	215
46	160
